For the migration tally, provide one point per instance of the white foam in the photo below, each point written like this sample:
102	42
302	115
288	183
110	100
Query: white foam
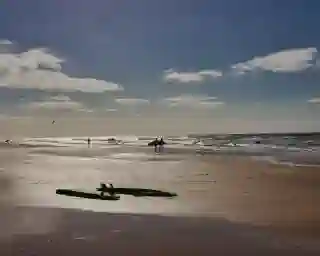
210	145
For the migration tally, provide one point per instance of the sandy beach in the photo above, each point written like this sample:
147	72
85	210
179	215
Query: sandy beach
227	205
84	233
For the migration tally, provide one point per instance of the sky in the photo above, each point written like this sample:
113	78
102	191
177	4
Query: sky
169	66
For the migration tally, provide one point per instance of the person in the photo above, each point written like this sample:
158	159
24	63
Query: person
156	143
89	142
161	143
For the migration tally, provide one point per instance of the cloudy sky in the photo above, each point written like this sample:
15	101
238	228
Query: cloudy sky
209	66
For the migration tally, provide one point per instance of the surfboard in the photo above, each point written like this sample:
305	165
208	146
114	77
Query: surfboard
155	142
152	143
82	194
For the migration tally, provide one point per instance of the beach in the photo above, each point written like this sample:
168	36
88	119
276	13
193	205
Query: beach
227	204
84	233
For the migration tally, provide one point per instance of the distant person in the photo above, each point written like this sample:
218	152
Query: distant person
156	143
89	142
161	144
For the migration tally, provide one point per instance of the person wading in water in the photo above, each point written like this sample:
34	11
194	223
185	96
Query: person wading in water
161	143
156	143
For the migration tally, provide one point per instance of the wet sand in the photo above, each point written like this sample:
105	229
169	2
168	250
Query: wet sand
236	206
278	197
88	233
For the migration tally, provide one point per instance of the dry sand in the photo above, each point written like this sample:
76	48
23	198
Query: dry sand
250	208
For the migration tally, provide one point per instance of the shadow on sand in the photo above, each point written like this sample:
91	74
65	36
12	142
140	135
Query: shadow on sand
69	192
138	192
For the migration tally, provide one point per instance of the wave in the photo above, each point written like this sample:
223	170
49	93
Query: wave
143	141
178	144
292	162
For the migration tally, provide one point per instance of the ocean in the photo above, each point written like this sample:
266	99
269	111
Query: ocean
292	149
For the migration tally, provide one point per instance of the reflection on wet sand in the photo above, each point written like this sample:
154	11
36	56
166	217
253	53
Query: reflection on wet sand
274	199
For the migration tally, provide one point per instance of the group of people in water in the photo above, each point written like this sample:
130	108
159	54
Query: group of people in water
157	143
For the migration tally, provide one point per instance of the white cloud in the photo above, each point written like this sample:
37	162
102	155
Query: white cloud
286	61
40	57
132	101
59	102
314	100
210	73
40	69
5	42
188	77
193	101
56	105
60	97
291	60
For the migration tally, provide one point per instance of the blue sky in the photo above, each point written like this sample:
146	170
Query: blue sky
224	59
